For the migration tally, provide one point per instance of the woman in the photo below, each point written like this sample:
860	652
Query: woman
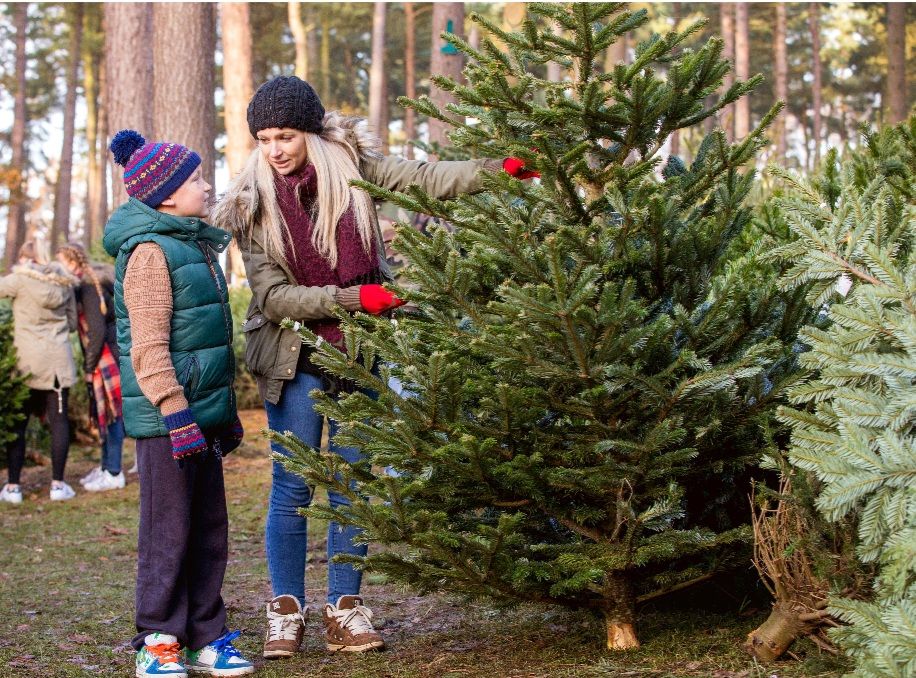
44	314
311	244
98	339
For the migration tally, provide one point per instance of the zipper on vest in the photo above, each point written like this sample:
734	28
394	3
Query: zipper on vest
227	320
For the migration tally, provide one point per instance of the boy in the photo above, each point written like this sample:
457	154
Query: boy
177	369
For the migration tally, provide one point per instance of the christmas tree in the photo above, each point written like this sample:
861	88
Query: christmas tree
591	365
853	424
13	390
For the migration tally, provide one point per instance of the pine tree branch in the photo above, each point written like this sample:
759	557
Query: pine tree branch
674	589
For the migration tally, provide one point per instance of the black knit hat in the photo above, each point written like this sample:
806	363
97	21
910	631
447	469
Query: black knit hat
285	101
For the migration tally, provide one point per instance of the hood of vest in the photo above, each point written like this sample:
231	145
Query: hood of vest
134	219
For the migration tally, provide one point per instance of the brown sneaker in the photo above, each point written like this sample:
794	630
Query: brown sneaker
349	626
285	625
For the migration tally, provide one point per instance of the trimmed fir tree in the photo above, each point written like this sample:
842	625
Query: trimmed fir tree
13	390
588	373
854	426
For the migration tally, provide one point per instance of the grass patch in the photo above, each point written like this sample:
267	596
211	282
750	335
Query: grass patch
67	573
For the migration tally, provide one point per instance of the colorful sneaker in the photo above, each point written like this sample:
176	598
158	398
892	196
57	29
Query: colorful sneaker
219	658
349	626
11	493
61	491
105	481
92	475
160	656
285	626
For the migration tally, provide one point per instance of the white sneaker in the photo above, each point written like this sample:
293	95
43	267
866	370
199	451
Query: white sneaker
105	481
92	475
11	493
61	492
133	469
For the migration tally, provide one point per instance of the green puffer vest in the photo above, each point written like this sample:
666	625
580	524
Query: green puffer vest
201	337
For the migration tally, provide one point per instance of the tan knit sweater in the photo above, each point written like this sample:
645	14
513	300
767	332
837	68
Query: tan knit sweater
148	296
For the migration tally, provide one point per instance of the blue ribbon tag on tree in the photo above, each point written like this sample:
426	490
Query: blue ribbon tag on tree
449	48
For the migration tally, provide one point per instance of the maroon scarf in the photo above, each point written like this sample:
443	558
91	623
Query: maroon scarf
296	196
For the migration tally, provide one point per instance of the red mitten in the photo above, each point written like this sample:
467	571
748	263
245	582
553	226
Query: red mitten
376	299
516	168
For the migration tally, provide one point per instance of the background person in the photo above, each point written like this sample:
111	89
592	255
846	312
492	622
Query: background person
44	314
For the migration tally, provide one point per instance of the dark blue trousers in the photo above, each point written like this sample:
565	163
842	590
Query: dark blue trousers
182	546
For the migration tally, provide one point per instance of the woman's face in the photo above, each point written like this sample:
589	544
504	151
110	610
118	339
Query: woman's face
284	148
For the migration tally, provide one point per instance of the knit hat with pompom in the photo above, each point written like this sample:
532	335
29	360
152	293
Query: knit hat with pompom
152	170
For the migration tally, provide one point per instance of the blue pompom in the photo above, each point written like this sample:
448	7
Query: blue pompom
124	144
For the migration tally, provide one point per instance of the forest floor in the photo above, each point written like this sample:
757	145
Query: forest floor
67	589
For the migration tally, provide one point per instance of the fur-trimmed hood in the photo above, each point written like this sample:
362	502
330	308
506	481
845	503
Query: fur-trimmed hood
238	206
52	274
44	313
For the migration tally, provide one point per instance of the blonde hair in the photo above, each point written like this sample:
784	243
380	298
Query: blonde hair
335	153
35	250
76	254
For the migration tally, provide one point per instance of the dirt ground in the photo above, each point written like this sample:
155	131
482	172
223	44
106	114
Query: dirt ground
66	602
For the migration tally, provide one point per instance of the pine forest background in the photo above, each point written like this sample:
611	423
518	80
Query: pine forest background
72	74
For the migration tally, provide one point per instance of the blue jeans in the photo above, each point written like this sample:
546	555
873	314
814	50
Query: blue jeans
286	533
113	446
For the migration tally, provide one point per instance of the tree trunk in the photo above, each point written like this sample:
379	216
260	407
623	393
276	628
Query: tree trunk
311	42
326	59
742	69
615	54
101	206
675	148
896	62
378	79
60	227
15	218
447	16
238	82
129	75
410	75
183	108
555	70
238	85
90	57
815	27
786	623
619	614
297	28
781	80
727	27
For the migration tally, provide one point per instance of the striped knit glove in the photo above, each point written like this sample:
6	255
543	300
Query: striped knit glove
187	438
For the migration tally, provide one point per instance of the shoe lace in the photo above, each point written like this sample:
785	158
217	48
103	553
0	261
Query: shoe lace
224	646
357	621
166	653
284	626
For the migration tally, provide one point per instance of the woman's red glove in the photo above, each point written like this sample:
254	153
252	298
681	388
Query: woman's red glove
516	168
376	299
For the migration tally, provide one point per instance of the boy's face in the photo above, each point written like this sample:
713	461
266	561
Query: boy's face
284	148
192	199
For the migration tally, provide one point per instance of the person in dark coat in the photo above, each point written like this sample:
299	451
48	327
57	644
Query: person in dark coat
98	339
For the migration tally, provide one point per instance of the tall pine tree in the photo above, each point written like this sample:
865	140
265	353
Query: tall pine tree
587	372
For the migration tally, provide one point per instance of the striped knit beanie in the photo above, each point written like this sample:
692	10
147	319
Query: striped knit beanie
152	170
